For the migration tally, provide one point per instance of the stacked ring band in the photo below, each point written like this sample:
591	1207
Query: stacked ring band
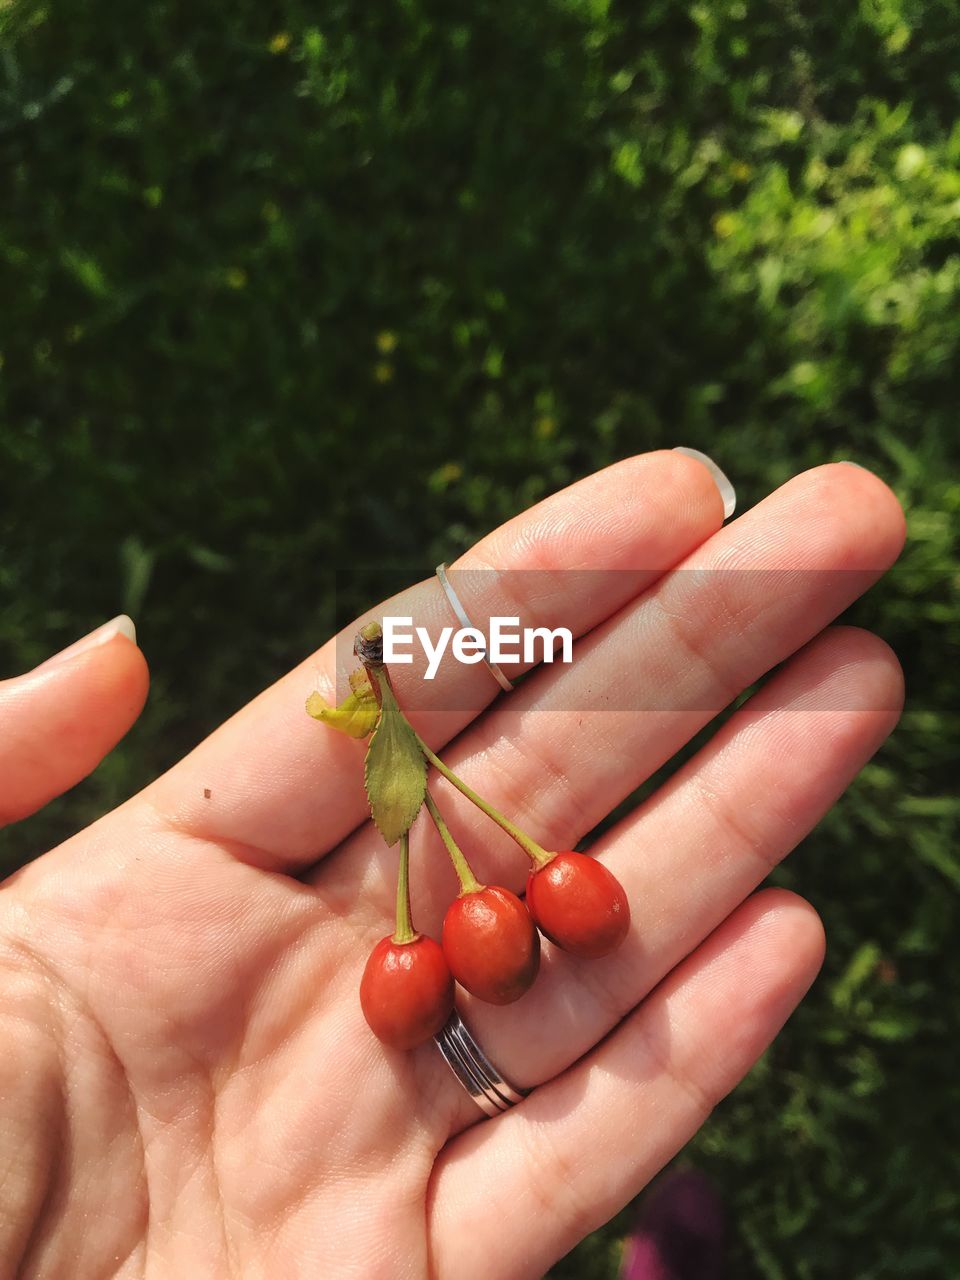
484	1083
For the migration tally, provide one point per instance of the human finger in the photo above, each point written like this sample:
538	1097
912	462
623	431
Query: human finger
690	854
282	790
562	751
512	1195
58	721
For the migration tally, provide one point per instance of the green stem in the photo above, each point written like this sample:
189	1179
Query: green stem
365	649
468	881
535	852
405	931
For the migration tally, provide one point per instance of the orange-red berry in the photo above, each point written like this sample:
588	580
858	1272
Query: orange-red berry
578	904
406	992
491	944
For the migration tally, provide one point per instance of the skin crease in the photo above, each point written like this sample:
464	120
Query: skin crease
188	1086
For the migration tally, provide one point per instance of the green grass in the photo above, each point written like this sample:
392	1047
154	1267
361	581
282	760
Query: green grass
299	300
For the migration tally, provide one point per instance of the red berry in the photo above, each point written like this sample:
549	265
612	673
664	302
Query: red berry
491	944
406	992
579	905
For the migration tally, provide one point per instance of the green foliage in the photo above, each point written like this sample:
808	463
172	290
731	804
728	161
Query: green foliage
300	299
394	771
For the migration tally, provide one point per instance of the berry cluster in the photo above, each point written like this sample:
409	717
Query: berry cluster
490	942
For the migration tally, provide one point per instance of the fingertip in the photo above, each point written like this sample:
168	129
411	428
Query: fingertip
104	689
131	672
797	930
122	626
728	493
854	656
883	519
61	719
125	626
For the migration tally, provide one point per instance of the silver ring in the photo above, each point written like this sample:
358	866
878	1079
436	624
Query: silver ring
464	621
484	1083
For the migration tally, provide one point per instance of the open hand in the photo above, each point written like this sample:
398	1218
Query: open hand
188	1087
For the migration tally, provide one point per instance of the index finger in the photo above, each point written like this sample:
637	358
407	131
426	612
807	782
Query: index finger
283	790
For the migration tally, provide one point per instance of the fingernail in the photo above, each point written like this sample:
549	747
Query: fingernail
847	463
121	625
727	491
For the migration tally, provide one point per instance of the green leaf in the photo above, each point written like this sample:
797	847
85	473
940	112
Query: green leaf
355	716
861	965
86	271
137	563
395	771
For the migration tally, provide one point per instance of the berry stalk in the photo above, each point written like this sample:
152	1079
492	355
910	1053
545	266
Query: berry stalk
535	852
404	931
468	881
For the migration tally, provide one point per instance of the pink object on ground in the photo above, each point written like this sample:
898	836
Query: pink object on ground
680	1234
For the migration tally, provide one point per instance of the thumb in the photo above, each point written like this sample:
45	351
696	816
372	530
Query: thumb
58	721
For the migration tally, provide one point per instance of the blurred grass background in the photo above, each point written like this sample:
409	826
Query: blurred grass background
290	289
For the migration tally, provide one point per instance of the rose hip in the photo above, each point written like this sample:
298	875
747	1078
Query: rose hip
491	944
578	904
406	992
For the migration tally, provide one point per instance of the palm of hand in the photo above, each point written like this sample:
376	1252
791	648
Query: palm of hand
210	1101
191	1089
